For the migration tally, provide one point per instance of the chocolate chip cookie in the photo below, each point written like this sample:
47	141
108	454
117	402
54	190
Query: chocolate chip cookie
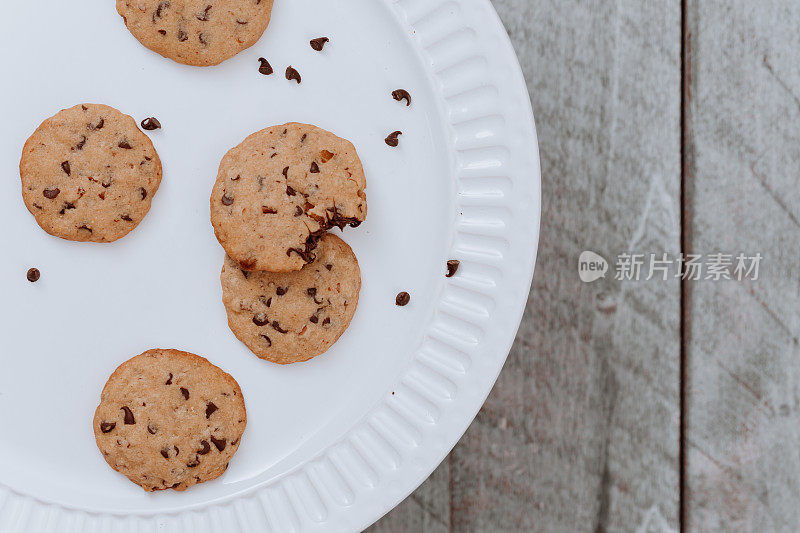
281	190
89	174
294	316
196	32
169	420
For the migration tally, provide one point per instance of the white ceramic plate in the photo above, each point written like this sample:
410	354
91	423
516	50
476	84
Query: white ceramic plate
330	445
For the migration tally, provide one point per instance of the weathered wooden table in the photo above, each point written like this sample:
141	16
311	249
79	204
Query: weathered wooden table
665	126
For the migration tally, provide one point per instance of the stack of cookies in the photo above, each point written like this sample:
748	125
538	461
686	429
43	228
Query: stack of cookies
290	288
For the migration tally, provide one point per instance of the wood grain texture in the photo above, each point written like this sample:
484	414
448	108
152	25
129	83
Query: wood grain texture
581	430
743	401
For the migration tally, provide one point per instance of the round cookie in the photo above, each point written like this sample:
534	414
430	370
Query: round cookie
294	316
169	420
196	32
89	174
280	190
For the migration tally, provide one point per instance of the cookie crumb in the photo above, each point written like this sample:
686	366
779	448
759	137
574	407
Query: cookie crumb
402	299
34	275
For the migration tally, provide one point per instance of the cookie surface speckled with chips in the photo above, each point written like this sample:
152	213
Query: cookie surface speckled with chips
196	32
89	174
281	190
169	419
295	316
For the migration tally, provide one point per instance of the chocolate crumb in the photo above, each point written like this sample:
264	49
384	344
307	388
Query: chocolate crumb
402	299
150	124
452	267
392	139
319	43
293	75
265	68
34	275
402	94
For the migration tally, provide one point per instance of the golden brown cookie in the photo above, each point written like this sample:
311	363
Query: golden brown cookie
169	420
280	190
294	316
89	174
196	32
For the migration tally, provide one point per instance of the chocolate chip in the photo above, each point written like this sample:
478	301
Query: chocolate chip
227	199
452	267
314	167
124	144
169	381
193	463
185	393
292	74
34	275
326	321
65	168
280	291
267	339
319	43
152	429
269	210
107	427
162	32
286	172
160	9
202	38
165	452
86	228
99	125
205	447
204	15
314	319
266	301
67	207
329	267
143	192
260	320
392	140
219	443
150	124
126	218
81	143
402	94
182	36
265	68
312	292
277	327
129	419
51	194
298	211
107	182
402	299
290	191
210	408
304	137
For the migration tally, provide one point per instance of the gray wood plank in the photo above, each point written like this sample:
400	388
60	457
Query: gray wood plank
581	431
743	401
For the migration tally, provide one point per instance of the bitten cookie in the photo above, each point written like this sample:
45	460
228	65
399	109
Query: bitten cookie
196	32
280	190
169	420
295	316
89	174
